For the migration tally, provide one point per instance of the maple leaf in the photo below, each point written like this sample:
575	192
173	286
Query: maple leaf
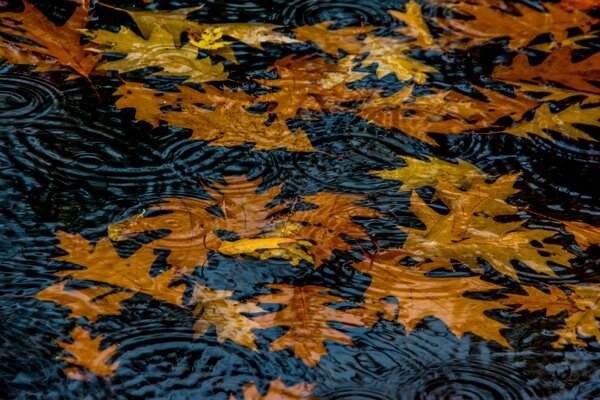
331	41
490	23
416	26
308	83
226	124
90	303
86	354
420	296
278	391
389	55
159	50
216	309
557	67
419	173
325	224
307	316
101	263
192	228
562	122
469	232
446	112
48	43
581	307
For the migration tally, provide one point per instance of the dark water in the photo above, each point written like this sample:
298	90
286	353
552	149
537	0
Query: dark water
72	162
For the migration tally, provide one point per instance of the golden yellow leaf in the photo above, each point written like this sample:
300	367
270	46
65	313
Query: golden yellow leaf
86	354
159	50
419	173
469	231
209	39
416	27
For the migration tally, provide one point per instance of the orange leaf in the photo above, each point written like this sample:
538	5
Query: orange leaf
278	391
331	41
86	353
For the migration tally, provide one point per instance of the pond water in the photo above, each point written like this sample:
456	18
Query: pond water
299	199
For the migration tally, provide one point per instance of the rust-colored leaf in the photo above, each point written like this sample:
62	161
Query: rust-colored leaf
307	315
278	391
331	41
90	303
86	354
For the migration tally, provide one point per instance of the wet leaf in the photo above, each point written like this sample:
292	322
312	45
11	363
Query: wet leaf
521	28
332	40
419	173
278	391
307	316
469	231
421	296
159	50
86	354
585	235
416	27
51	44
89	303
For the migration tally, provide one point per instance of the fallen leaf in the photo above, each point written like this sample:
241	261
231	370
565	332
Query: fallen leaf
416	27
86	354
331	41
278	391
419	173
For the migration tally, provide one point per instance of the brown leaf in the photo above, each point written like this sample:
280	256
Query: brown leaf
416	27
307	316
86	354
556	68
278	391
420	296
90	303
469	231
521	29
331	41
54	43
325	224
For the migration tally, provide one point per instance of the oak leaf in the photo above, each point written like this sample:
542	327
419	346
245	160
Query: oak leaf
390	56
226	124
556	68
90	303
549	93
564	122
278	391
488	23
47	43
416	27
469	231
585	234
216	309
307	315
421	296
102	263
325	224
581	306
419	173
159	50
331	41
86	354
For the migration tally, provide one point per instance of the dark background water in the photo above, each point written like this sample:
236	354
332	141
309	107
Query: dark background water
70	162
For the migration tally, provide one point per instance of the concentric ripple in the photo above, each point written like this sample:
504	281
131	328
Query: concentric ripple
352	13
24	99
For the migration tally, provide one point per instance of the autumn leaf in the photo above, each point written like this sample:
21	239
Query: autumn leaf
227	124
549	93
278	391
101	263
521	29
307	315
309	83
85	353
421	296
469	231
159	50
585	234
416	27
325	224
565	122
209	39
390	56
331	41
90	303
581	307
215	308
44	43
556	68
419	173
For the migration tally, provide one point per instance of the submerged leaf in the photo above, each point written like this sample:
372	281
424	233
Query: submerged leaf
86	354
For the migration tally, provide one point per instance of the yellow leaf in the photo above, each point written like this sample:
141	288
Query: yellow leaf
415	26
208	39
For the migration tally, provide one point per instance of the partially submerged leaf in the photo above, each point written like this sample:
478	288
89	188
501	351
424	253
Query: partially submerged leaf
416	27
278	391
331	41
419	173
85	353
